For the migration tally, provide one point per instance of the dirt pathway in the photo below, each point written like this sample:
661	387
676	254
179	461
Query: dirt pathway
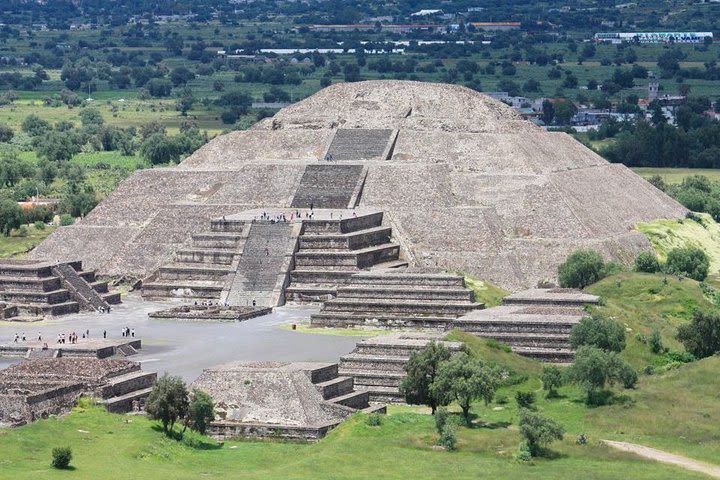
665	457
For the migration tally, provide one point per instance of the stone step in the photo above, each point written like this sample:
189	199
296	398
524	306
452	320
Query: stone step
346	225
361	258
488	327
377	408
206	256
403	292
335	387
407	279
63	308
217	240
111	298
123	403
22	296
547	355
399	307
347	241
193	271
182	289
218	225
373	378
536	340
321	276
87	275
30	284
128	383
380	320
392	264
356	361
323	373
404	349
384	394
22	269
309	293
357	400
100	286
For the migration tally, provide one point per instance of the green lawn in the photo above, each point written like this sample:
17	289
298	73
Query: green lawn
676	175
16	247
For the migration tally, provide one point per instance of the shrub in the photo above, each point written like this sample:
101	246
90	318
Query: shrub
66	219
492	343
626	374
525	400
655	342
448	437
647	262
598	331
538	430
61	457
22	231
551	379
691	262
374	420
581	269
441	418
523	453
701	337
39	225
594	368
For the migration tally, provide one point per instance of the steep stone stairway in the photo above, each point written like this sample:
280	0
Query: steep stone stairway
262	272
535	323
353	144
340	389
120	391
377	365
46	288
331	250
397	299
329	186
202	270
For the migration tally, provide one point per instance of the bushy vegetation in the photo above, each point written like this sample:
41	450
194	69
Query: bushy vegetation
701	337
594	369
596	330
538	430
688	261
582	268
61	457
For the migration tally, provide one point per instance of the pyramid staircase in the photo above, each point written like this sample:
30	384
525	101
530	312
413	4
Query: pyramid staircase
43	288
119	392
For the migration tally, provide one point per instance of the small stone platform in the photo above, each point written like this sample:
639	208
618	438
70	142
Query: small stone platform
279	399
85	348
377	365
535	323
217	313
51	386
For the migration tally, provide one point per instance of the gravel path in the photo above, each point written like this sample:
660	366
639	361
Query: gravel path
665	457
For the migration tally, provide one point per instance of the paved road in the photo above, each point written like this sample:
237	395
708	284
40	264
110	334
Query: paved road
185	348
665	457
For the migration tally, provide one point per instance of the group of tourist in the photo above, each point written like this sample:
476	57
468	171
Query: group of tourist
128	332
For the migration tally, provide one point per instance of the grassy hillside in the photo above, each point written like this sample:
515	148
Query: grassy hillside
668	234
644	302
486	292
17	247
673	175
131	447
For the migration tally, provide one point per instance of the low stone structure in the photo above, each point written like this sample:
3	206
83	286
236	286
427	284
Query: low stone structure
43	387
535	323
279	399
211	313
377	365
85	348
37	288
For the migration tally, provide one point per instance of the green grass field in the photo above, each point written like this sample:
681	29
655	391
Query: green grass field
676	175
16	247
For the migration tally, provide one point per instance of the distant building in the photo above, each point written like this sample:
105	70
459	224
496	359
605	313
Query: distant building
652	37
496	26
393	28
426	13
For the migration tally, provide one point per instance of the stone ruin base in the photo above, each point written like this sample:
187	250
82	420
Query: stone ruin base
212	312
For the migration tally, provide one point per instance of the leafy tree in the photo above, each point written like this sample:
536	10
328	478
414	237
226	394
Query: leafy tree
91	117
525	400
552	379
564	110
701	336
548	112
159	149
582	268
464	379
6	133
655	342
352	72
538	430
168	401
34	125
181	75
691	262
422	369
598	331
201	410
647	262
11	216
594	368
66	219
57	146
159	87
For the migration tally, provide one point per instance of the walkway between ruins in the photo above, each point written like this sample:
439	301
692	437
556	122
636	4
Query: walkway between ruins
185	348
665	457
